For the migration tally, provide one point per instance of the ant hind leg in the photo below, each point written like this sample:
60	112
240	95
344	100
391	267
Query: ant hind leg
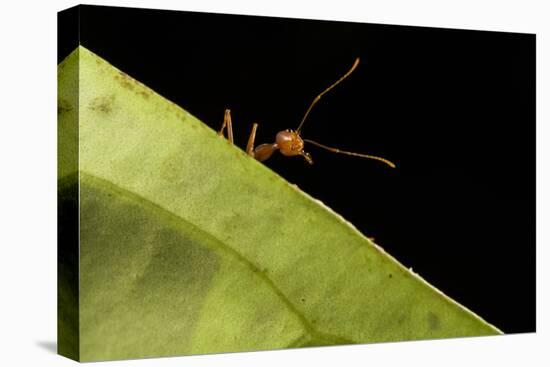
251	139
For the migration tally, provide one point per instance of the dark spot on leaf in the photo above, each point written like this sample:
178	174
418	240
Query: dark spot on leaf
433	321
102	104
129	83
125	80
144	94
303	299
390	276
126	84
63	106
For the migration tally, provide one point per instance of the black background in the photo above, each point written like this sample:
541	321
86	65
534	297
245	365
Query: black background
454	109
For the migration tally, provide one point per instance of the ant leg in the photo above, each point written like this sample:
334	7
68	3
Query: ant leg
251	138
227	122
263	151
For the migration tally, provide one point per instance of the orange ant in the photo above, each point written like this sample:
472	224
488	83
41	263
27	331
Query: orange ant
289	142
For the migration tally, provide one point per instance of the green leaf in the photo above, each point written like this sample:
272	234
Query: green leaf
188	245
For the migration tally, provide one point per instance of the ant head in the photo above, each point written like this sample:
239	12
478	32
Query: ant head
290	143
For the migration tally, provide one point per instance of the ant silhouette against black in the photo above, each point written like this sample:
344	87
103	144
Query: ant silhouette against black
289	142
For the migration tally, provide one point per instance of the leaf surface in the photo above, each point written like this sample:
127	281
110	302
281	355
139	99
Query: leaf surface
188	245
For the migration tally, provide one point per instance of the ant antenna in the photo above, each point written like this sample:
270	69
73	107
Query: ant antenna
335	150
316	99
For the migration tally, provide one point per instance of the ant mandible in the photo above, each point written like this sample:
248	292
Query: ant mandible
289	142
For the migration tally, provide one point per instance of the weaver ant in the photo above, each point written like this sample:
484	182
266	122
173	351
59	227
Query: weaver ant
289	142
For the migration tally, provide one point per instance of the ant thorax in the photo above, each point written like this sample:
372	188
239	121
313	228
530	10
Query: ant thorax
289	143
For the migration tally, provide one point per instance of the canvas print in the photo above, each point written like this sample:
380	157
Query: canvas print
232	183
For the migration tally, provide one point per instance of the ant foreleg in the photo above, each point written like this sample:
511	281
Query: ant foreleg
227	123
